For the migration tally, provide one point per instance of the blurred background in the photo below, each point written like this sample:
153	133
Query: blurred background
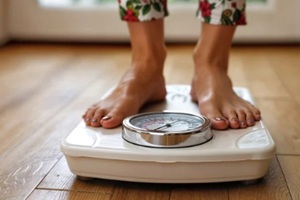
269	21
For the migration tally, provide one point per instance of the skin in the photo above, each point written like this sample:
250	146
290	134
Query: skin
144	81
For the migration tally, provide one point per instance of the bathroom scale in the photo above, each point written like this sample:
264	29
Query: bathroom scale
170	142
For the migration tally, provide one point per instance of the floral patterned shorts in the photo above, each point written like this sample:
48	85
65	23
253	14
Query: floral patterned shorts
219	12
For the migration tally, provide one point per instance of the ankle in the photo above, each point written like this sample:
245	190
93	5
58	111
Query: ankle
151	59
147	50
205	60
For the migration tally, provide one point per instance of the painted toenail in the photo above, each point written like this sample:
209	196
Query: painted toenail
243	123
234	119
251	121
219	119
106	118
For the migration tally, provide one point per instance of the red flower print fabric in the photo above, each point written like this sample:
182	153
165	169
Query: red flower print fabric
222	12
142	10
219	12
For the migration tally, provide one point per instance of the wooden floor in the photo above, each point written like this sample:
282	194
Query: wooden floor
44	89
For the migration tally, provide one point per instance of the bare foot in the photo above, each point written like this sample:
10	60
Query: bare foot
212	89
140	85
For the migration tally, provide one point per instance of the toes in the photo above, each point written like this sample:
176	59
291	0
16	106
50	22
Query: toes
93	116
233	120
111	121
246	118
97	118
242	118
95	122
88	116
256	115
252	114
250	118
219	122
232	117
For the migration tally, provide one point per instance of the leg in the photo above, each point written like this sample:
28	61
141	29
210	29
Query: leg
211	86
142	83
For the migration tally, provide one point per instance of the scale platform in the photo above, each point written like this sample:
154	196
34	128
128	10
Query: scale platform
231	155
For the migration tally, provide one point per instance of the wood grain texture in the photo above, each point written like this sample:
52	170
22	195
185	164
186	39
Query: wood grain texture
282	119
273	186
64	195
137	191
45	88
32	141
213	191
290	167
60	178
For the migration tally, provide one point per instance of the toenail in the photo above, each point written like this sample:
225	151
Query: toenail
219	119
106	118
251	121
234	119
87	119
95	120
243	123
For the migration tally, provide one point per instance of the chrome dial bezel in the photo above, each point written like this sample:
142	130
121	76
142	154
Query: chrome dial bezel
167	139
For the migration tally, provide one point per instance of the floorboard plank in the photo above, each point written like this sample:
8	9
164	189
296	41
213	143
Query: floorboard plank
137	191
214	191
61	178
290	167
64	195
273	186
288	71
282	119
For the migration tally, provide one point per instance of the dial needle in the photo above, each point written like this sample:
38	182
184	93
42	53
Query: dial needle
166	125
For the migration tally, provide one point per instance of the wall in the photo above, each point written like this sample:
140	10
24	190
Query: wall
276	22
3	27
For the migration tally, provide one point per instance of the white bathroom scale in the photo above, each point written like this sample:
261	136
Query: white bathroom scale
228	155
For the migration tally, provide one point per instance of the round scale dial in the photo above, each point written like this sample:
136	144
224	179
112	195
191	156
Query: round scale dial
166	129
